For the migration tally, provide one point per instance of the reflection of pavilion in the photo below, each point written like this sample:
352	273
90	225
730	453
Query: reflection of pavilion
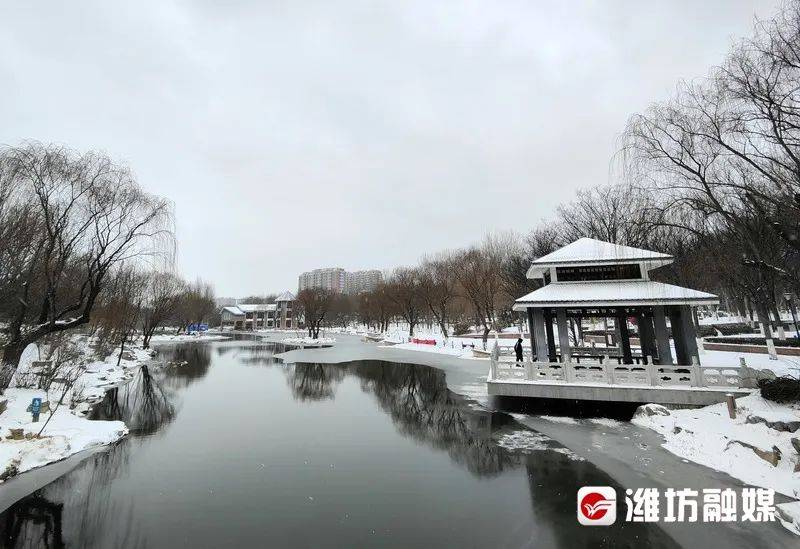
590	279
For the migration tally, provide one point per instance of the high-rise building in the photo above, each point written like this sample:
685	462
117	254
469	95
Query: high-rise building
362	281
332	278
338	280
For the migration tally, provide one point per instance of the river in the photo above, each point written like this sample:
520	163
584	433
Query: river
230	446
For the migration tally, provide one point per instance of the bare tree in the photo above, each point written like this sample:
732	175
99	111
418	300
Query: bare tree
481	282
314	304
438	288
195	304
162	296
119	310
91	216
376	307
403	289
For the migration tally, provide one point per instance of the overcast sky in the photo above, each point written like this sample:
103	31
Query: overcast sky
360	134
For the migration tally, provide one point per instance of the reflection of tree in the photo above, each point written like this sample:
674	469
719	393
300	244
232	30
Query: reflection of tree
198	360
258	355
86	508
420	405
143	404
314	381
33	522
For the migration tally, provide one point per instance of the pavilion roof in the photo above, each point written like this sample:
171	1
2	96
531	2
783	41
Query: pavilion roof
613	293
588	251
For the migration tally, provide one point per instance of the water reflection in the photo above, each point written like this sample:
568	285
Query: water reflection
314	381
144	404
423	408
185	364
34	522
83	507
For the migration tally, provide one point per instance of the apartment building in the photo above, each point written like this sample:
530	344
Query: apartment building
332	279
338	280
362	281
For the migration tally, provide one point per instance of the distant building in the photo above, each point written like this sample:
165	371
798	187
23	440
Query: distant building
338	280
362	281
332	279
250	316
285	318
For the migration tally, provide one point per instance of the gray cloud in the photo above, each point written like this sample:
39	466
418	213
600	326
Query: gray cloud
293	135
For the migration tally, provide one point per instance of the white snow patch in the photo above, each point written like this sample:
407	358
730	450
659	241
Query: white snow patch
708	436
309	341
605	422
561	419
184	338
789	515
530	441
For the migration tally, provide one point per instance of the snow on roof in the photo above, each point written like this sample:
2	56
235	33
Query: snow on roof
591	251
285	296
612	293
255	307
234	310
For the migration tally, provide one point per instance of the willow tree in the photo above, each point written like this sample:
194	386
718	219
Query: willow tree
78	217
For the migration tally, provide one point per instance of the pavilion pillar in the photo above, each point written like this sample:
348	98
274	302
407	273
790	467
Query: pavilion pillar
662	335
646	336
563	334
683	333
624	337
548	329
529	316
538	334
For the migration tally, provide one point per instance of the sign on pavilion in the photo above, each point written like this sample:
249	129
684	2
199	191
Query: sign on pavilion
594	279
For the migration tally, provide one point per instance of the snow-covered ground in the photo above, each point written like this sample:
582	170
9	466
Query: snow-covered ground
439	349
310	341
784	365
68	431
710	437
194	337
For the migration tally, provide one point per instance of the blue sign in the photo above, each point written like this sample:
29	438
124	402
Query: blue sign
197	328
36	407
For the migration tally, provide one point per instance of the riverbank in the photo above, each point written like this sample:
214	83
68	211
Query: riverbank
757	447
69	431
26	445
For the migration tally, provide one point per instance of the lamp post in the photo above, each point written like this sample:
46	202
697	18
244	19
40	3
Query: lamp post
789	299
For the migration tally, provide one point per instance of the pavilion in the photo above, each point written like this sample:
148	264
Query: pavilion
594	279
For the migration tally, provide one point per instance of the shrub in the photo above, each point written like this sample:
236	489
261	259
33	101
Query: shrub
784	389
788	342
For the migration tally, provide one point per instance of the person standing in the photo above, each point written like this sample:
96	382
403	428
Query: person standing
518	350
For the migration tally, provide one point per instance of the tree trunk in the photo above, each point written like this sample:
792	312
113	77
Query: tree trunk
443	328
763	317
11	355
121	350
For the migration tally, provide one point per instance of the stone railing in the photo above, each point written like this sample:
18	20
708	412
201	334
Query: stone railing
610	373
